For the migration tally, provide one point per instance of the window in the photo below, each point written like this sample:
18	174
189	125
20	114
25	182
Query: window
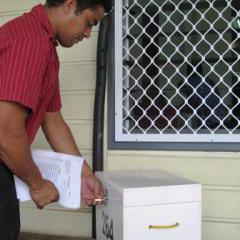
177	71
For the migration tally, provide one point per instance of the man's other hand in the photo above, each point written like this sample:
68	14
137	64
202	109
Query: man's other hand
46	193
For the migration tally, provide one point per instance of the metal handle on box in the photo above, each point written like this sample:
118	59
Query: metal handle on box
163	227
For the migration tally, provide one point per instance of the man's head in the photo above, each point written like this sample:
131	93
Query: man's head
72	20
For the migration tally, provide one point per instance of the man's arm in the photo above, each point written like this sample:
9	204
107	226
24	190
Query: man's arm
15	153
61	140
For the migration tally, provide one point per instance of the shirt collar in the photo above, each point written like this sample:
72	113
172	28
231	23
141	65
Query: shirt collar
40	13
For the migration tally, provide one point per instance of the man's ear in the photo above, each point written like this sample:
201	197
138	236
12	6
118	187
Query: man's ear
69	6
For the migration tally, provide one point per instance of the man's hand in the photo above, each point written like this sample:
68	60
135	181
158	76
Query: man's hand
91	189
46	193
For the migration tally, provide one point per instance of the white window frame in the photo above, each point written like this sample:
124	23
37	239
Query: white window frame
145	137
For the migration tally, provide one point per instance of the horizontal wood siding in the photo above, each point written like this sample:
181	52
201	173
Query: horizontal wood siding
77	80
217	172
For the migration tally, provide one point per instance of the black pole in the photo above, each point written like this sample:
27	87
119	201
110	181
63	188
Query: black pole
99	104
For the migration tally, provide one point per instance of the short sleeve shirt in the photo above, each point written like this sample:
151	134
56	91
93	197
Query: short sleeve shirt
29	66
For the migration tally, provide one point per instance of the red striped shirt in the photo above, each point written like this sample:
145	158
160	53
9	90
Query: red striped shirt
29	66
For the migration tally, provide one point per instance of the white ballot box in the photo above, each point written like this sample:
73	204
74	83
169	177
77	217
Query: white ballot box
149	205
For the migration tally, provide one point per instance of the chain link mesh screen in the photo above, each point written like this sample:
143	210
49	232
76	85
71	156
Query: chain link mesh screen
177	70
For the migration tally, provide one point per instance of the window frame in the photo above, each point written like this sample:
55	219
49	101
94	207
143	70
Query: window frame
145	143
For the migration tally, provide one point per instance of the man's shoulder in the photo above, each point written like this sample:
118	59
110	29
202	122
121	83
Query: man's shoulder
24	29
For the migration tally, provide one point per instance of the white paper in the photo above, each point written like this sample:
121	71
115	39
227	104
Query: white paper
63	170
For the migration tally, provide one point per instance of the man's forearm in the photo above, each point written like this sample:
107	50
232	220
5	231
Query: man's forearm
58	134
15	153
61	139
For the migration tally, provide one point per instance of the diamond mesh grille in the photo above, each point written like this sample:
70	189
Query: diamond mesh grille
177	71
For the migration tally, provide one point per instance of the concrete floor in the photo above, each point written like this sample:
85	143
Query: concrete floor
34	236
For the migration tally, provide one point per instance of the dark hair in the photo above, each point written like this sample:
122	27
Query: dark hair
83	4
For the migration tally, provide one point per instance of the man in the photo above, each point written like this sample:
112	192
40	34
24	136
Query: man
30	98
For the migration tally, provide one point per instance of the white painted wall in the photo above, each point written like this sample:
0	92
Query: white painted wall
77	79
217	172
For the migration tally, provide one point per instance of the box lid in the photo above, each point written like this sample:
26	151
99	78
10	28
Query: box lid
149	187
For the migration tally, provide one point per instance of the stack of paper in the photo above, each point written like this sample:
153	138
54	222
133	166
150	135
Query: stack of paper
63	170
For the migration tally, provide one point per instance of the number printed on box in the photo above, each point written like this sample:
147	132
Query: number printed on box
107	226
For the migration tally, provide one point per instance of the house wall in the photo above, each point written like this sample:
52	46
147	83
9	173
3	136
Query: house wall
218	172
77	80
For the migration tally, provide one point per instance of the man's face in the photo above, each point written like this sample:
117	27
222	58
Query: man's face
77	26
